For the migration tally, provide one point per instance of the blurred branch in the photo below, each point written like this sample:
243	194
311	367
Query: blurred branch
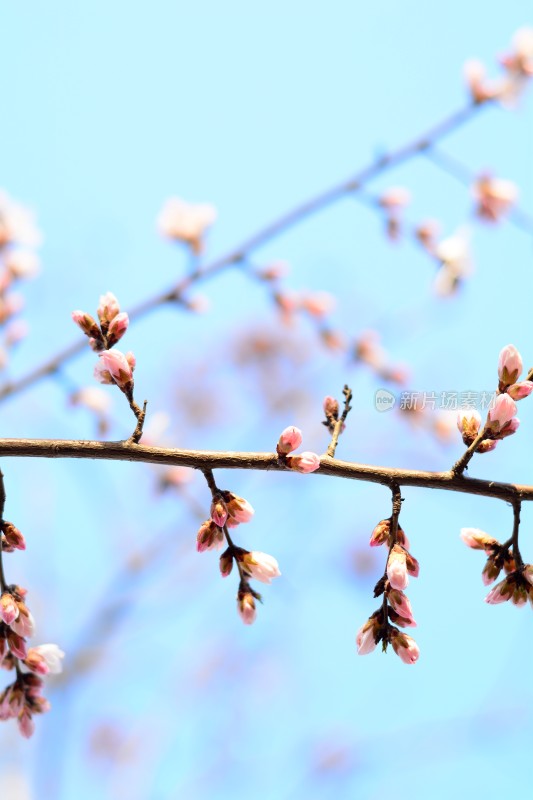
209	460
238	254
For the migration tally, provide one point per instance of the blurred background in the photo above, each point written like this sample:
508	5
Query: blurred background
109	110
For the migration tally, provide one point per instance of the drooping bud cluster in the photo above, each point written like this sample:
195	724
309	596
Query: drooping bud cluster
517	586
22	698
186	222
518	69
501	418
396	608
19	239
290	440
227	511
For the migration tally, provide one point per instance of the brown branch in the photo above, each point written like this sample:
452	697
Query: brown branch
242	251
208	460
339	423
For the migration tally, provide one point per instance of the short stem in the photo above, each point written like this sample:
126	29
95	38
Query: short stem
460	465
516	526
141	415
337	430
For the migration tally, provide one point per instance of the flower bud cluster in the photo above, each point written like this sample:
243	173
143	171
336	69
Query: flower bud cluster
396	608
392	202
22	698
114	366
501	419
290	440
19	239
518	69
517	586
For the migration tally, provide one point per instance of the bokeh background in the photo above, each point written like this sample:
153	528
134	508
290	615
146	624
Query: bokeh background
109	109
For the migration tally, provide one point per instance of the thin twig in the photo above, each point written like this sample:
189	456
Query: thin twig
3	582
516	527
278	226
339	424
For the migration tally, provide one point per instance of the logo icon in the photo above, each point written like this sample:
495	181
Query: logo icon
384	400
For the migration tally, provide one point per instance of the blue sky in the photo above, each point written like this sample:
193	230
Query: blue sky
110	109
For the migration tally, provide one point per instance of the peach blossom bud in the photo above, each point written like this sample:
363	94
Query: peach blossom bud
246	607
381	533
132	361
397	568
239	509
501	592
304	462
528	573
199	304
475	78
274	271
290	439
468	422
44	659
405	647
108	308
117	328
87	324
16	644
490	572
520	390
494	197
401	538
13	536
395	197
509	365
186	222
503	411
427	233
8	608
24	624
366	640
219	511
478	540
25	723
331	407
226	562
209	537
259	566
102	375
116	363
400	603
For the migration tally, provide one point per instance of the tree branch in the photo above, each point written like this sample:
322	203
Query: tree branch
206	460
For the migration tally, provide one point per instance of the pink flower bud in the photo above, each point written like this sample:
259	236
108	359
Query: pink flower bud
509	428
405	647
117	328
318	304
413	567
219	511
502	413
500	593
246	607
132	361
381	533
16	644
468	422
44	659
509	365
8	608
239	509
209	537
490	572
397	568
366	640
478	540
528	573
24	624
13	537
400	603
108	308
520	390
304	462
116	363
226	563
487	445
331	407
87	324
259	566
290	439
